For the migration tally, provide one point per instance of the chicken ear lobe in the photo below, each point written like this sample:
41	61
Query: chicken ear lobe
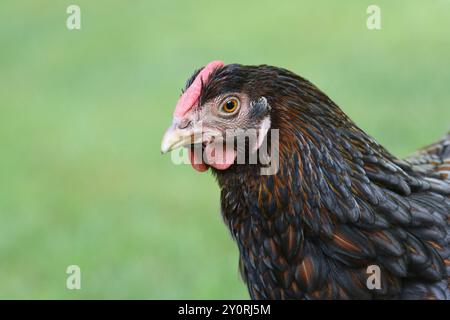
261	108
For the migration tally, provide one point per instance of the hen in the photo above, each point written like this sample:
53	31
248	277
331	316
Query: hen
339	208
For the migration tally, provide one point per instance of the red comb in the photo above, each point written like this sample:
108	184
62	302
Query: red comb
190	97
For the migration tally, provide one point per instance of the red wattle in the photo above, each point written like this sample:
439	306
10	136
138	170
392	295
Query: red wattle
197	164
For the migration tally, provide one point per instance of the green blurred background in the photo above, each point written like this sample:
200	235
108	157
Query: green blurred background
82	113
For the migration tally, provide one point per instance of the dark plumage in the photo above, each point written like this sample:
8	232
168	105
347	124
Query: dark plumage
339	202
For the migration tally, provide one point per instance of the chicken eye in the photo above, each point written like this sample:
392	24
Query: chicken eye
230	105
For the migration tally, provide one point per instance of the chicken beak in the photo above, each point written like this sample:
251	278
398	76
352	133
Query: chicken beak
176	138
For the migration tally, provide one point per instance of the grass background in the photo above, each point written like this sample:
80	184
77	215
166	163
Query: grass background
82	113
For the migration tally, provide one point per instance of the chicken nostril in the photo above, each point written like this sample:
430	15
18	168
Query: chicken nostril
184	124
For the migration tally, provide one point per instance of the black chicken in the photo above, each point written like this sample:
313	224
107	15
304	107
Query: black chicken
339	203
